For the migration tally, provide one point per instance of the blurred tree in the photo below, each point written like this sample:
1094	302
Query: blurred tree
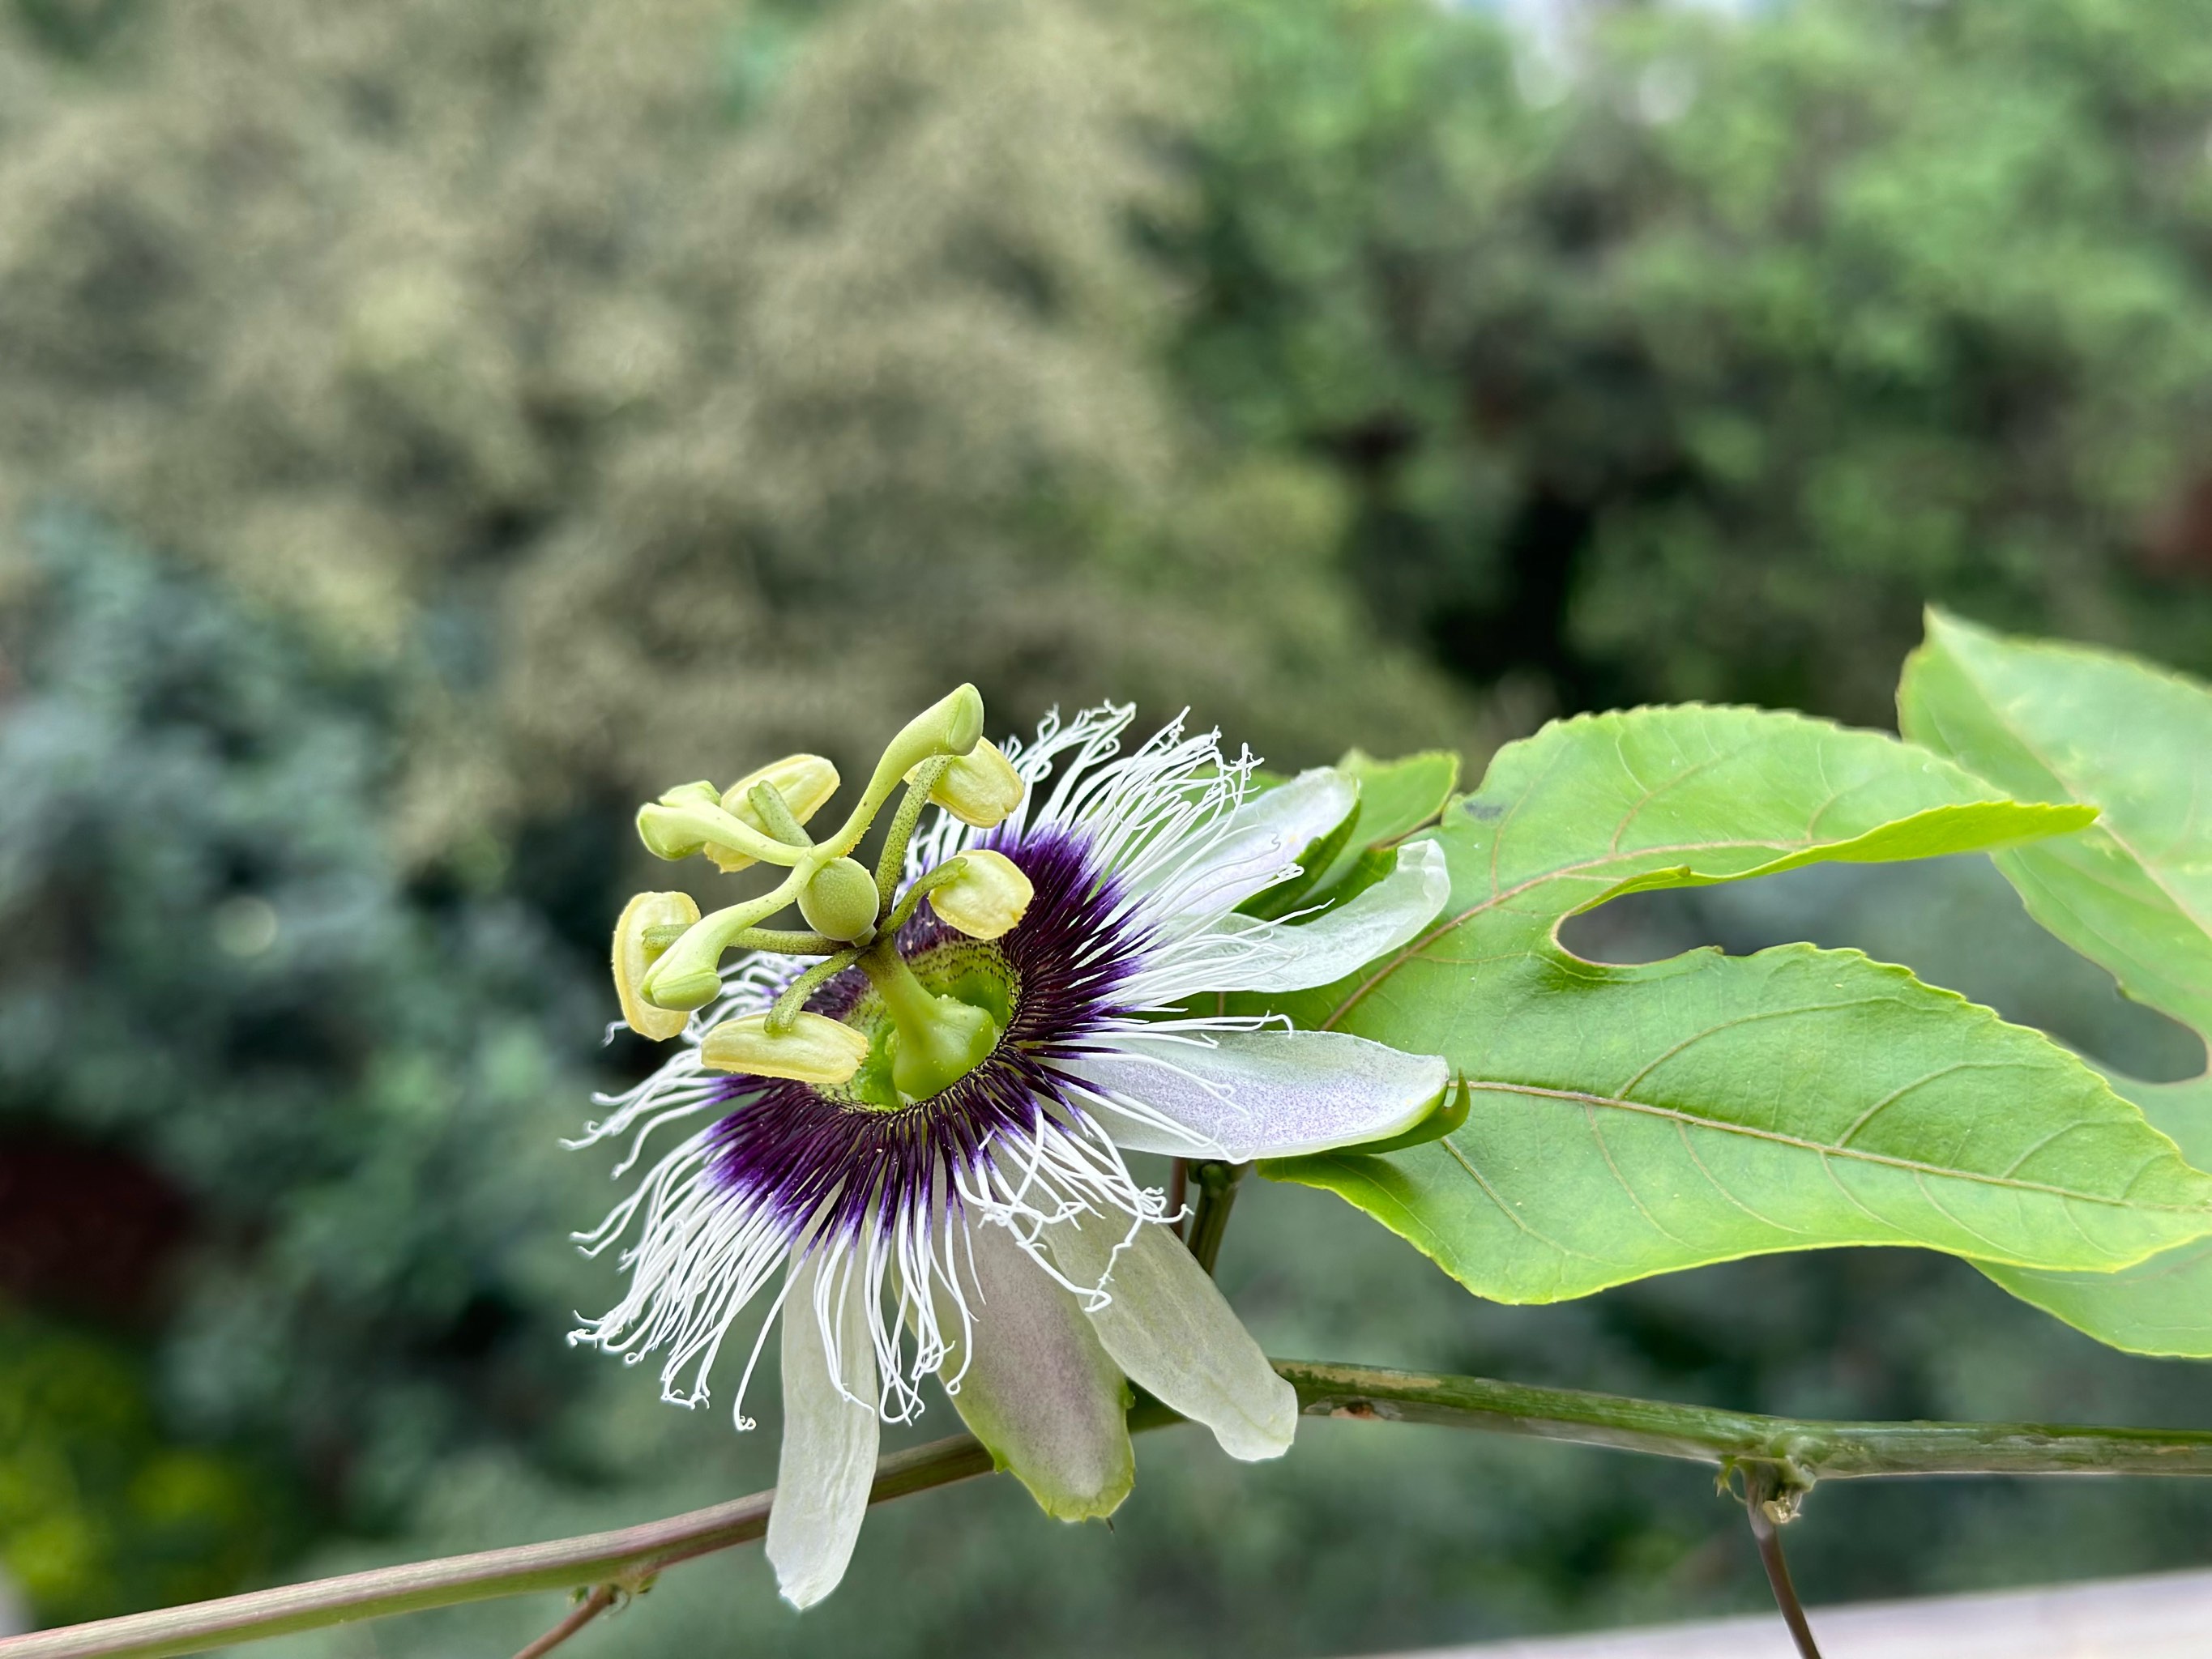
625	365
1692	365
259	1098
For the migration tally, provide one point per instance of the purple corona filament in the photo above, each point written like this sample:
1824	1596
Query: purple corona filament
807	1156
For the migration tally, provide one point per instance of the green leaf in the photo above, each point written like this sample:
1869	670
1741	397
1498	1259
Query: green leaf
1632	1120
2133	894
2062	723
1397	798
2160	1306
1628	1121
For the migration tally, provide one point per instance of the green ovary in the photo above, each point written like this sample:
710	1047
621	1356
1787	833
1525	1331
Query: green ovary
930	1021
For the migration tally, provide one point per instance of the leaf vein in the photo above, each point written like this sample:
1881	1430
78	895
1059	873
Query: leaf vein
1505	1209
1597	1134
1920	1180
1718	1186
1904	1088
1885	1160
2075	794
1696	1037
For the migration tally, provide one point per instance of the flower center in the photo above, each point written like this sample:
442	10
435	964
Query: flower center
930	1021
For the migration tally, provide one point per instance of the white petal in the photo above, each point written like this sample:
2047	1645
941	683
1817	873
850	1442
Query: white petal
1170	1328
1259	844
1037	1387
829	1458
1242	1095
1295	956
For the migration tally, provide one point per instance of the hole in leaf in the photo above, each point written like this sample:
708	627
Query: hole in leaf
1956	922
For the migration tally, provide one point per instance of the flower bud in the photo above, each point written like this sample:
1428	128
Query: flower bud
815	1049
987	898
805	781
980	788
841	900
633	956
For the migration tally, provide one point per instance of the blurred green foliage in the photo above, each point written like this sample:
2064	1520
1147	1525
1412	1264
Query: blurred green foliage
1691	360
263	1097
98	1509
620	364
529	406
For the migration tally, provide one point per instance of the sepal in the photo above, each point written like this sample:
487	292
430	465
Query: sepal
1451	1112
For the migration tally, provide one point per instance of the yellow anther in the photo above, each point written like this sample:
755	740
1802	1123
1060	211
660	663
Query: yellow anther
815	1049
980	788
805	781
987	898
633	956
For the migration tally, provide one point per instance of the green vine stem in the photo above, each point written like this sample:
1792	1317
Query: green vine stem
1788	1454
1217	1185
1799	1451
628	1559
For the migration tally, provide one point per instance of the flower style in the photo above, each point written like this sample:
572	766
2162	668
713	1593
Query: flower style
987	1230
